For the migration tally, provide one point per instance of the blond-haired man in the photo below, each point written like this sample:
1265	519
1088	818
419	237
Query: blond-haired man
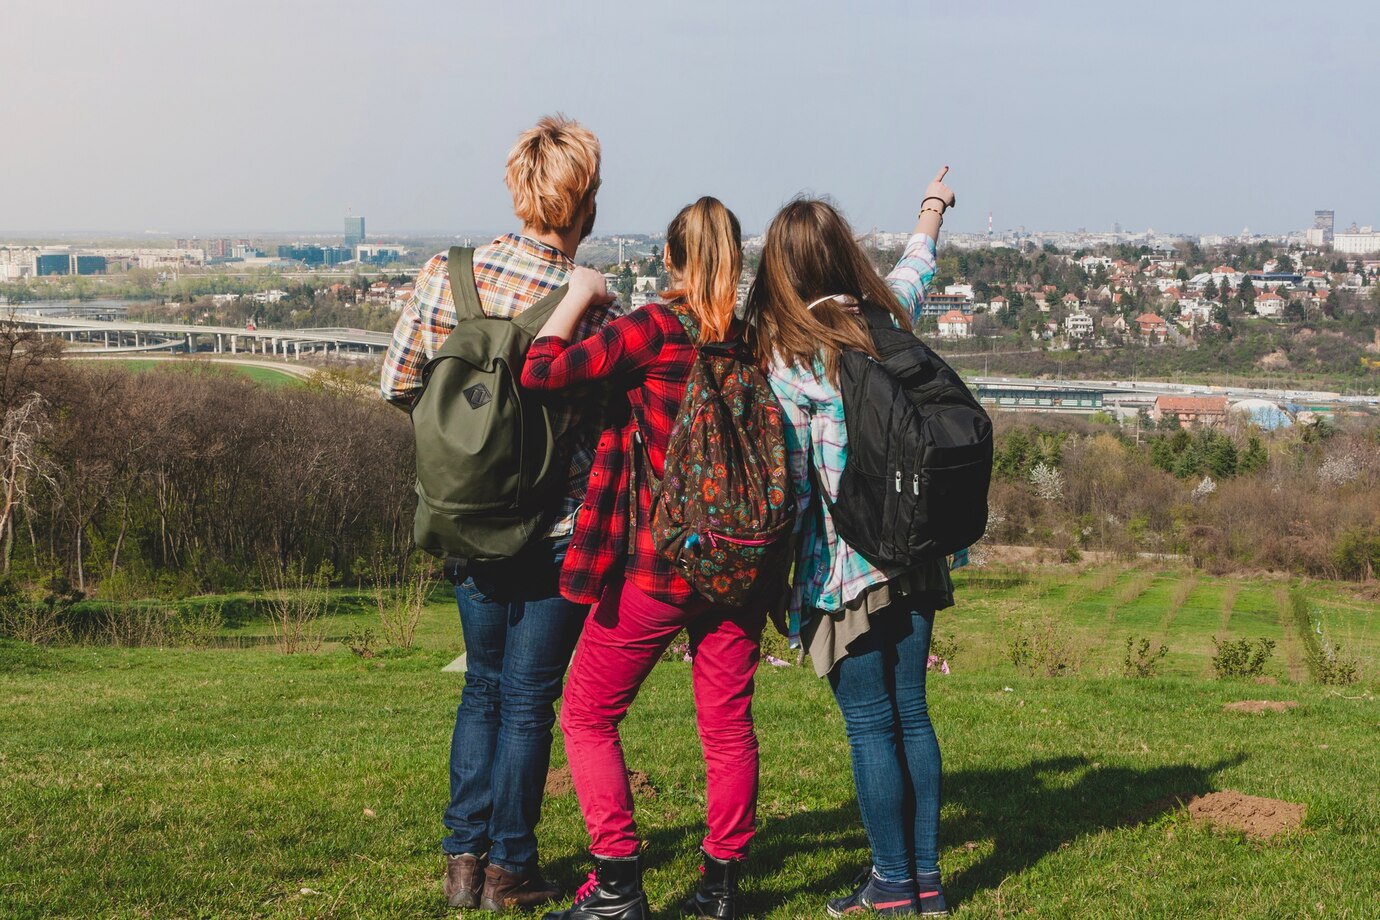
519	632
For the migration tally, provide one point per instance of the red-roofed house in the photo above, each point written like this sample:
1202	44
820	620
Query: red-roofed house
955	324
1191	410
1152	325
1269	304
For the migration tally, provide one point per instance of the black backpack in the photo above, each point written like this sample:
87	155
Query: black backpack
488	469
914	485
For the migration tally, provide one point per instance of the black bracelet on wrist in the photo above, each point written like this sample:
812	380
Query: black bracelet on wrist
941	201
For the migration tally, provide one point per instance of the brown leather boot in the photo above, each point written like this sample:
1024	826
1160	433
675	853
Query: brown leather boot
505	890
464	879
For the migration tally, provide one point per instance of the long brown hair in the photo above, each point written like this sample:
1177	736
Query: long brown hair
705	246
809	253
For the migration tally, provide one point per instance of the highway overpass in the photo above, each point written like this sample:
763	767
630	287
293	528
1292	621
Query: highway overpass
96	336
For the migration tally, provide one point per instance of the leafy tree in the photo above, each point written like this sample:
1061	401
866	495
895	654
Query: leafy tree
1254	458
1247	295
1189	463
1332	304
1162	454
1222	458
1210	291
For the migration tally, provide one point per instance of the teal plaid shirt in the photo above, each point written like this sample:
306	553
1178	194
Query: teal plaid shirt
828	572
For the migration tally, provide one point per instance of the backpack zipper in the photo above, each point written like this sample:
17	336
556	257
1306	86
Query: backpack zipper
915	483
714	539
898	481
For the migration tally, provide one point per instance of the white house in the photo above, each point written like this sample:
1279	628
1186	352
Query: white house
1193	310
955	324
1269	304
959	290
1078	325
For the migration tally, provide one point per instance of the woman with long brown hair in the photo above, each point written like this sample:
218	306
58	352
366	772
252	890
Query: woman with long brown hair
641	601
867	630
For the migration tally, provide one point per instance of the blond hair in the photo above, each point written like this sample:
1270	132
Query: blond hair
705	245
553	169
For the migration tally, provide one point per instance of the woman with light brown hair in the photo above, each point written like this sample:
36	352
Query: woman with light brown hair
867	630
641	600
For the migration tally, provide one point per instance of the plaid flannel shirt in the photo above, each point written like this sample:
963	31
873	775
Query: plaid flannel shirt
828	572
649	355
511	273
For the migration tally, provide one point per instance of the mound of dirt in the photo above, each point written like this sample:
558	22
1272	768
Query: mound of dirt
1276	360
1252	815
1260	706
559	782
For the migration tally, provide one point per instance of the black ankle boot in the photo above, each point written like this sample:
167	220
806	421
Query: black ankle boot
716	896
613	892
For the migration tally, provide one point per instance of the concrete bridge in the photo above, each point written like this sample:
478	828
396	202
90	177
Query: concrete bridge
95	336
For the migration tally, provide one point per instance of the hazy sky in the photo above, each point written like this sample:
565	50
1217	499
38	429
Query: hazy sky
1182	115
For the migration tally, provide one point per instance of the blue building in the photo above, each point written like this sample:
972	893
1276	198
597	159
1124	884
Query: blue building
90	265
53	263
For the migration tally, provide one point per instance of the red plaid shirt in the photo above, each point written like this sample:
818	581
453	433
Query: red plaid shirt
649	355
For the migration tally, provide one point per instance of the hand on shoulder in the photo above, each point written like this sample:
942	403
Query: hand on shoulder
588	287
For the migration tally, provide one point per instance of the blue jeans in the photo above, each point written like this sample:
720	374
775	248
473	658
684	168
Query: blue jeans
880	688
519	636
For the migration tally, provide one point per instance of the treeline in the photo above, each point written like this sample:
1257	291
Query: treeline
182	480
1341	351
1303	500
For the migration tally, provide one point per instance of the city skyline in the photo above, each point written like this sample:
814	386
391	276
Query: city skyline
1184	119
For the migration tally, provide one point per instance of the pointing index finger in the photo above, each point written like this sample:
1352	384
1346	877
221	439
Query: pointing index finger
942	173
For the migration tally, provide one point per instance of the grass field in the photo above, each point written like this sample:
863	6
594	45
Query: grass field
163	783
264	375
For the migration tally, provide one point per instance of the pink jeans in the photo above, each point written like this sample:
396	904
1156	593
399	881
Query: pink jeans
623	638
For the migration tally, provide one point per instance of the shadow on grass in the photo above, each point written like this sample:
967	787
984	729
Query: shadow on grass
1027	811
1034	809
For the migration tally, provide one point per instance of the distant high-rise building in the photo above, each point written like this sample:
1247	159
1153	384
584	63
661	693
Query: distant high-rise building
354	231
1321	232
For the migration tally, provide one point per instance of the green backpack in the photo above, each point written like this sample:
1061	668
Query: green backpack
488	476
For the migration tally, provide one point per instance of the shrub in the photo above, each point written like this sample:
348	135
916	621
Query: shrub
36	624
136	624
1325	661
297	601
361	641
197	626
1140	661
1042	647
400	595
1241	658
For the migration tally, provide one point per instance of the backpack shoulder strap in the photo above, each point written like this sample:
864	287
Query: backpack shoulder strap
877	318
463	293
534	317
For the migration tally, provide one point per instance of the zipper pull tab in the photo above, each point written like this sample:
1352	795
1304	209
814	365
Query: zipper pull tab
915	483
898	480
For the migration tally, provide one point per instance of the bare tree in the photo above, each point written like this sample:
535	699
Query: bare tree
21	432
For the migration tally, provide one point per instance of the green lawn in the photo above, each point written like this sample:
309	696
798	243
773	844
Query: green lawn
168	783
264	375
